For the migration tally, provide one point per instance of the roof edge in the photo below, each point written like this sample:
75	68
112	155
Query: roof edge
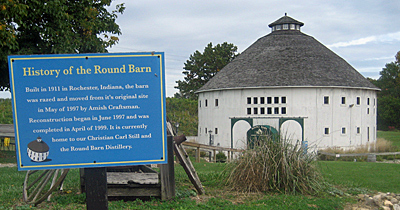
279	87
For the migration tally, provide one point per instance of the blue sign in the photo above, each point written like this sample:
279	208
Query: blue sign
88	110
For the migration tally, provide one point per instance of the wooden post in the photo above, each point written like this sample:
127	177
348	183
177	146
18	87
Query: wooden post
96	188
198	155
229	156
214	156
168	174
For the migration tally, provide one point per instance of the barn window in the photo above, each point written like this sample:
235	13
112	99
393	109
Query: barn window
326	99
206	103
358	130
276	110
367	110
292	27
343	130
269	100
367	101
216	102
255	100
358	100
269	110
262	110
255	110
283	110
276	100
343	100
216	130
262	100
326	131
199	103
248	110
285	26
283	100
248	100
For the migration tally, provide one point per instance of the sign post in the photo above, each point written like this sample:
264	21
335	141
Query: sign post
88	110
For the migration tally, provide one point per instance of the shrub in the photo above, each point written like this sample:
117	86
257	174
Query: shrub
275	165
221	157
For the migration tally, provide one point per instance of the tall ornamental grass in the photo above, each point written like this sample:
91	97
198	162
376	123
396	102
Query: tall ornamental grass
275	164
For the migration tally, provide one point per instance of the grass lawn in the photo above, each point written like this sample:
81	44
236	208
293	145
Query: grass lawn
392	136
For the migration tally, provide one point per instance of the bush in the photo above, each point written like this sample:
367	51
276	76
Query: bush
221	157
275	165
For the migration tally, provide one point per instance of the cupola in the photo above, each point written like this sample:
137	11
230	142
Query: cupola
286	23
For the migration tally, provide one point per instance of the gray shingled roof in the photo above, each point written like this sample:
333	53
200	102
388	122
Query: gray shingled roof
287	58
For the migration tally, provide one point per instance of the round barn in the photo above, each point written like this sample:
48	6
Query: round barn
289	83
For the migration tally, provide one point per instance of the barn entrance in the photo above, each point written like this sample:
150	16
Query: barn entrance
260	133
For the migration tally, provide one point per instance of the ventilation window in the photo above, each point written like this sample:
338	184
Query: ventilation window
283	110
326	131
276	100
248	100
262	110
262	100
326	99
269	100
283	100
255	100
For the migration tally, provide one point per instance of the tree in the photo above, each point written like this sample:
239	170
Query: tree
201	67
54	27
389	96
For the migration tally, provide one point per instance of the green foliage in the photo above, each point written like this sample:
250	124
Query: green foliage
54	27
201	67
221	157
184	112
389	96
6	116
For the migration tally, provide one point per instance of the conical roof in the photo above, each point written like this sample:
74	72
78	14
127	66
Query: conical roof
287	58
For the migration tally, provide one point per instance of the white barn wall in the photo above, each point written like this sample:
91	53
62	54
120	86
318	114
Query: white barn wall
307	102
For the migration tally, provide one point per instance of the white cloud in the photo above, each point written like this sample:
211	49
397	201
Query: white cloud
381	38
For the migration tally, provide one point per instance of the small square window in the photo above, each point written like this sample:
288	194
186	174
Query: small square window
326	131
343	130
255	100
248	100
343	100
269	100
269	110
216	102
326	99
283	110
276	110
255	110
262	100
358	100
283	100
262	110
248	110
276	100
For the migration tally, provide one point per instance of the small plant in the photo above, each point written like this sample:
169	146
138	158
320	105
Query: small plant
221	157
275	165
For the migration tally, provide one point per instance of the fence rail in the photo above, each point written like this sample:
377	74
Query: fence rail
212	149
371	157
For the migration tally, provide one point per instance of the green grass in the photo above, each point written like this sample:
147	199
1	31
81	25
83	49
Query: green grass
383	177
392	136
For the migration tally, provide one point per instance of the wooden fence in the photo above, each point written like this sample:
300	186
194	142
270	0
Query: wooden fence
7	137
198	147
371	156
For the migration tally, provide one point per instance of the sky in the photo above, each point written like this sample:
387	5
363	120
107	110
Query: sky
365	33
